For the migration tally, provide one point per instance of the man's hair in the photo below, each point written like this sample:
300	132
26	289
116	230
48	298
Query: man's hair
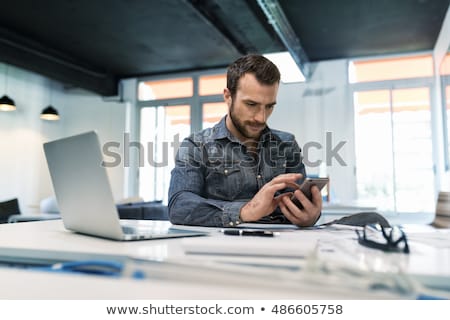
262	68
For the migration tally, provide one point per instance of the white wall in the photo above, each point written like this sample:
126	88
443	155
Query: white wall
84	111
443	40
310	110
23	170
440	50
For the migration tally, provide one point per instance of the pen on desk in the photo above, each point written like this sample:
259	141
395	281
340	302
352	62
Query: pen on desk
243	232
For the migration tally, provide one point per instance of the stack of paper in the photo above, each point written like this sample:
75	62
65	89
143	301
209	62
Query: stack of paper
442	219
279	246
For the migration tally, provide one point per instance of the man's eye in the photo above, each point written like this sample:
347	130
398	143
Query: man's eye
251	104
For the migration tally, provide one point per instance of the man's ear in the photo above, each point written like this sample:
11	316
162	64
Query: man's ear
227	96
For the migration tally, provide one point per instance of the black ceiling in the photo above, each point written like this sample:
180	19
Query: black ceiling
94	43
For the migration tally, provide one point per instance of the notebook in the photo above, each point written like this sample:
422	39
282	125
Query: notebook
84	195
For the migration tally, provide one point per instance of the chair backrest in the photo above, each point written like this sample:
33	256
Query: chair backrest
49	205
442	219
8	208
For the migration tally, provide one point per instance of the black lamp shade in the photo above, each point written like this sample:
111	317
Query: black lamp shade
7	104
50	113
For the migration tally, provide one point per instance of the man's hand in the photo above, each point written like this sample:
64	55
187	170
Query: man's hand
311	208
264	202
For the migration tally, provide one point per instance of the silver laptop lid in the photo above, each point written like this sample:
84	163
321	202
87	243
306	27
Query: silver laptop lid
82	187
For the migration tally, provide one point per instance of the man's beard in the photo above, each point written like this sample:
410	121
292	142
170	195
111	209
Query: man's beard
241	125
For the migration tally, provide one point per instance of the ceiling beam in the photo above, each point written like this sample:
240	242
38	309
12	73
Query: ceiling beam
208	10
28	54
276	17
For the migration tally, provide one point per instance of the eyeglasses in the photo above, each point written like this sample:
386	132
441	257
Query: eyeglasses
392	240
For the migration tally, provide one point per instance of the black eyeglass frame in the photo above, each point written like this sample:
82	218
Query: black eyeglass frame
390	245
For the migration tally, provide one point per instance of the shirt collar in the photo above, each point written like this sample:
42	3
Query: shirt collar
220	131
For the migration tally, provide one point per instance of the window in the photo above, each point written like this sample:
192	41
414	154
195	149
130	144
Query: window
447	100
213	112
374	166
165	89
445	66
394	149
212	84
445	76
393	134
391	69
162	128
170	110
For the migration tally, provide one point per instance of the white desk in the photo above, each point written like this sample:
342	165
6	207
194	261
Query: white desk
350	268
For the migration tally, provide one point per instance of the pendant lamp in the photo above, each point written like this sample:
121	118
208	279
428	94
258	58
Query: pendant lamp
6	103
50	113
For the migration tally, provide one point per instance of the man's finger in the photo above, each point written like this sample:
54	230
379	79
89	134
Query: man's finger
316	194
287	177
284	194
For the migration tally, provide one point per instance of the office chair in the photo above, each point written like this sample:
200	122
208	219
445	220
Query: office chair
442	218
8	208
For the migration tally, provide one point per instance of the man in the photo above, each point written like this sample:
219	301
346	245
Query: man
238	171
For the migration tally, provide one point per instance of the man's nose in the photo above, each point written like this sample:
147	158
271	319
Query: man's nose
260	115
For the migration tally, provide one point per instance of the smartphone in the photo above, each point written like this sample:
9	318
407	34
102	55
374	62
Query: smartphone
305	187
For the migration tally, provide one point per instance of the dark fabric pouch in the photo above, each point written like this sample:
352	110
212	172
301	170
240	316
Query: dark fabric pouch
361	219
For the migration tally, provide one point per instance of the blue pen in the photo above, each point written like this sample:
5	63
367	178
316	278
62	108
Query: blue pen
97	267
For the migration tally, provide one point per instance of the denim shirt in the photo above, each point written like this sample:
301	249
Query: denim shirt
214	176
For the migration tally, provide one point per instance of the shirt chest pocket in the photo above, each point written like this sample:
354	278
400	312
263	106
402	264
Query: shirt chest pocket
224	181
276	167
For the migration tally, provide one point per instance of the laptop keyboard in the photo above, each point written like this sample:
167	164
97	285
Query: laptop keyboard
129	230
143	230
153	230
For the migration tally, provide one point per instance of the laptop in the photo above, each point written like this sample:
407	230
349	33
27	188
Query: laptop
84	195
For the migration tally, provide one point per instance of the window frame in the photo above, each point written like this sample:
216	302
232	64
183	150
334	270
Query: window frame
445	82
408	83
195	102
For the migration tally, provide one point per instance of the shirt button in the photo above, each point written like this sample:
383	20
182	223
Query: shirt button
225	171
231	223
258	176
